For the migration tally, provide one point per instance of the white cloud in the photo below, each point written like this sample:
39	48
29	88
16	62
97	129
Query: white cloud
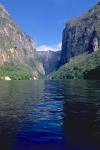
52	48
59	46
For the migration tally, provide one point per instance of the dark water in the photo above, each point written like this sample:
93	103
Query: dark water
50	115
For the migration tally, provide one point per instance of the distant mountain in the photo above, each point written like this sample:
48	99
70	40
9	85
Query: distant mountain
81	35
80	56
49	59
16	47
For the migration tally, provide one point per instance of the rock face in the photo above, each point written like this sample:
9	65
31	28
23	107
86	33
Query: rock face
15	45
49	59
81	35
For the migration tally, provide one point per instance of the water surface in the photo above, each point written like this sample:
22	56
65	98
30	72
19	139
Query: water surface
53	115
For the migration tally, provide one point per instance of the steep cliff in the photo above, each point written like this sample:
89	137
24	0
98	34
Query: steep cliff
50	60
15	46
81	35
80	54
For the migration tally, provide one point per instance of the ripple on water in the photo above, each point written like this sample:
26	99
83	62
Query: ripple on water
63	113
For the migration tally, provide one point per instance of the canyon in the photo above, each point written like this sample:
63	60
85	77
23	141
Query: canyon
19	57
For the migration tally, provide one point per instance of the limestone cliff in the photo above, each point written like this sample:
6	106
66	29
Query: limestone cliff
81	35
16	46
50	60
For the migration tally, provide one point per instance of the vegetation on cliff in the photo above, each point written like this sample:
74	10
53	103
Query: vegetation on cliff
81	35
15	72
19	59
80	67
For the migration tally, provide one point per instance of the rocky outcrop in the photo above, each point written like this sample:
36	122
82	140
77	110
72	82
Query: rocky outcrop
49	59
81	35
15	45
5	78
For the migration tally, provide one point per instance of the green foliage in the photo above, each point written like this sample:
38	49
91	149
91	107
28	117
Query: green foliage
15	72
78	67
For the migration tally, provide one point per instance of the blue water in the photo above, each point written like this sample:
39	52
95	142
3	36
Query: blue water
50	115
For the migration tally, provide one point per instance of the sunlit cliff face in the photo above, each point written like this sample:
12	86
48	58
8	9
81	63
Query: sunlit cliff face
16	46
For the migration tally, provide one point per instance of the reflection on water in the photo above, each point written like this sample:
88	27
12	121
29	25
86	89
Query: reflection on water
54	115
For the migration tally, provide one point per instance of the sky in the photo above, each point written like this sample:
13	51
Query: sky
44	20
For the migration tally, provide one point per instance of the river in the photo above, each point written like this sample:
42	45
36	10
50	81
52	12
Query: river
50	115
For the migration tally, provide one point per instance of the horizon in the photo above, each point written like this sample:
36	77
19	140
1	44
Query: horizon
43	25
